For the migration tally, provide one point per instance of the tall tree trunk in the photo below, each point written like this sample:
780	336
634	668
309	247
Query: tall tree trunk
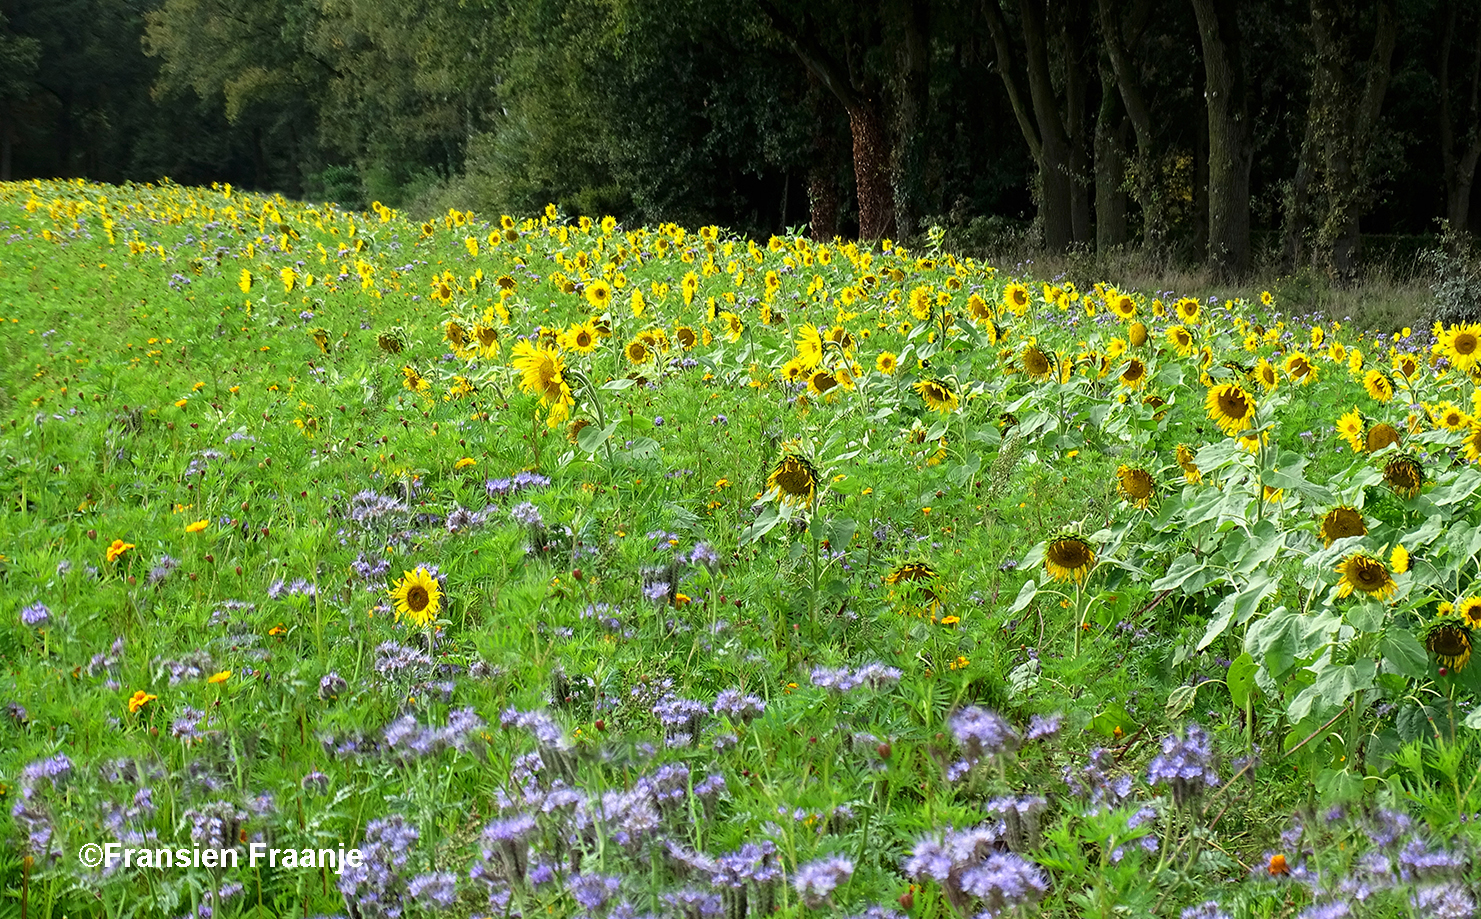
823	199
912	20
1230	146
1110	165
1118	31
1297	202
7	140
1071	26
1460	154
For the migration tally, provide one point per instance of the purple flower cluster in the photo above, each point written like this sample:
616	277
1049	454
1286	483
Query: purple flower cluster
739	708
378	886
520	481
982	735
1186	764
408	740
973	874
217	825
1099	782
394	660
841	679
816	881
37	616
682	719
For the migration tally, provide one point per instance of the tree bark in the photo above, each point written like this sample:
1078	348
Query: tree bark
1119	33
1230	145
1110	165
912	19
1460	153
7	140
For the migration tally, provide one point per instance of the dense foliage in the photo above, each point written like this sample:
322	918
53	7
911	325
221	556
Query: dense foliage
1181	127
571	568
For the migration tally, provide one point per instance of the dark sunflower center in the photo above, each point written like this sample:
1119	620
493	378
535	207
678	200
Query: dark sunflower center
1369	576
417	598
1234	404
1466	344
1449	642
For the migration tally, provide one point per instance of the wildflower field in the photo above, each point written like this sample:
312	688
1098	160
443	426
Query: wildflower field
567	568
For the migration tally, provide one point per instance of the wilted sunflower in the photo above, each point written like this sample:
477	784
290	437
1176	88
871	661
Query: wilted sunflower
1362	572
1461	344
1230	407
1449	640
1191	473
1134	375
456	336
1404	473
487	339
1068	557
417	596
916	578
1136	485
574	429
794	479
389	342
1378	385
1379	436
938	395
1036	363
1342	522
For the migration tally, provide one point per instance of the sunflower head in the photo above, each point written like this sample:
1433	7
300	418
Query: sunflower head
820	382
886	363
418	597
1461	344
938	395
1036	363
1136	485
1379	436
638	352
1342	522
1363	573
1230	407
1469	609
1448	638
1134	374
1404	473
1137	334
1069	557
794	479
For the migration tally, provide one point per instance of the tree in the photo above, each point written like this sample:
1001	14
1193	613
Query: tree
18	58
1231	147
1460	124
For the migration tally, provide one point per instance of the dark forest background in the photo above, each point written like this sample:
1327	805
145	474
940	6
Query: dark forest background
1198	130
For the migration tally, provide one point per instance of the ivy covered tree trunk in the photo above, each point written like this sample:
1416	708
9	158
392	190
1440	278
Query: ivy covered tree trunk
912	25
1230	145
872	171
1110	166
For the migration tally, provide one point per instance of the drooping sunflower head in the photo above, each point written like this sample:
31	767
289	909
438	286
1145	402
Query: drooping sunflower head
1407	365
1137	334
391	342
1134	374
1342	522
979	309
911	571
794	479
938	395
1187	461
821	381
1448	638
1136	485
1230	407
686	337
456	335
487	337
1036	363
1378	385
418	597
1404	473
1363	573
1379	436
1069	557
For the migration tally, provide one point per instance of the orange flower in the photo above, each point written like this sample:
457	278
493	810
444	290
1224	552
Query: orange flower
221	677
197	526
139	700
118	548
1278	865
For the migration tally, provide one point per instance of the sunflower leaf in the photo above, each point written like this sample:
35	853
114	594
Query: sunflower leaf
591	438
1026	595
1473	720
1241	679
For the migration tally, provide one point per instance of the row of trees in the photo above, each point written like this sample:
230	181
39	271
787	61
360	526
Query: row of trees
1174	125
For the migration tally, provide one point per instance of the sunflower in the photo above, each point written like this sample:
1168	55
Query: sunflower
418	597
1449	416
979	309
1068	557
794	479
1230	407
599	294
1362	572
1036	363
810	346
413	380
1379	436
916	580
1266	375
1299	368
1016	298
638	352
886	363
582	338
1123	306
574	429
1342	522
456	336
1134	374
1404	474
1318	335
1472	444
1350	427
389	342
1137	334
1406	365
487	338
542	373
1461	344
1398	560
1180	339
1469	609
938	395
794	371
1378	385
733	326
821	381
686	337
1191	472
1136	485
1187	310
1449	640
